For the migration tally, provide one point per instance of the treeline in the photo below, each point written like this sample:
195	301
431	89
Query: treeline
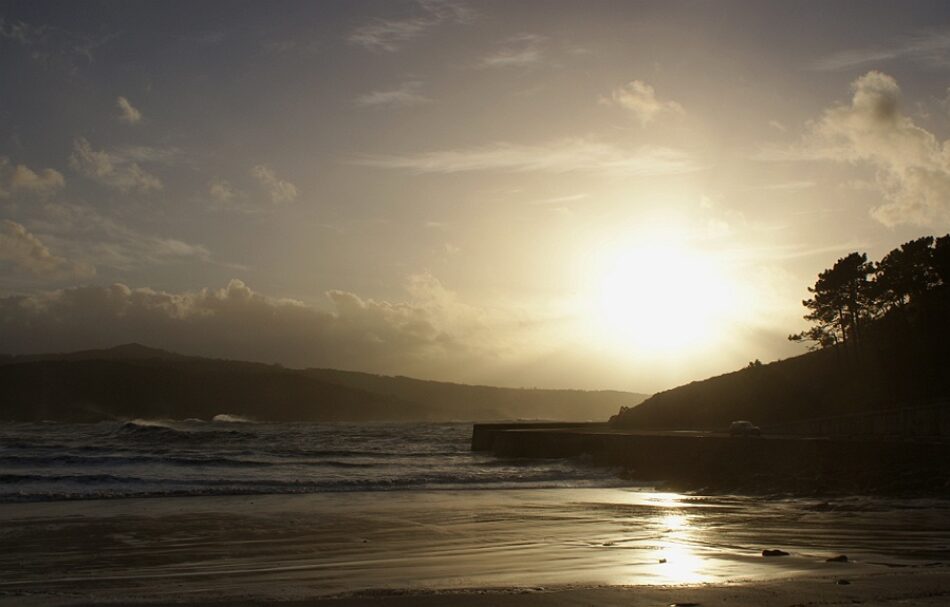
857	297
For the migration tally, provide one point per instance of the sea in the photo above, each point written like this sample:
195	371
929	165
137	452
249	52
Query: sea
230	455
230	508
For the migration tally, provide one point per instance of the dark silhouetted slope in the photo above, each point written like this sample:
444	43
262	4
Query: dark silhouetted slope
91	389
488	402
903	361
137	381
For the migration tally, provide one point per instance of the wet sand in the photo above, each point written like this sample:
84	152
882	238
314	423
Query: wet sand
582	546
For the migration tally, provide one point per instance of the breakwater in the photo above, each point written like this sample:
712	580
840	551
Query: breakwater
716	460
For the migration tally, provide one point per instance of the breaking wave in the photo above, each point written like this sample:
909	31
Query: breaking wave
232	456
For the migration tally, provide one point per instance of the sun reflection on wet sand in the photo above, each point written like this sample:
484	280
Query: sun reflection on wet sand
677	560
670	554
679	564
454	539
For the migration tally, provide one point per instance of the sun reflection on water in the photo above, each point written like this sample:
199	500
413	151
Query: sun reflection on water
674	556
674	522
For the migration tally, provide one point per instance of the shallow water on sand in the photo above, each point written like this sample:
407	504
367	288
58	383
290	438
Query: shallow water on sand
312	545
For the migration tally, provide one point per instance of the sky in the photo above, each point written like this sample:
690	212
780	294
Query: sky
626	195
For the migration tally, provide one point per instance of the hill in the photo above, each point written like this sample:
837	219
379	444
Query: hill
132	381
818	384
884	336
488	402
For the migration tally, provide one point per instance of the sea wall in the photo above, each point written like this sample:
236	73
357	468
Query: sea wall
703	460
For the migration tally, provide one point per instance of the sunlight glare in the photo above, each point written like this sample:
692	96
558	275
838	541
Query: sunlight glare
661	296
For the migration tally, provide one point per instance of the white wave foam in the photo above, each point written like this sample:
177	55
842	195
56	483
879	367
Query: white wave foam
231	419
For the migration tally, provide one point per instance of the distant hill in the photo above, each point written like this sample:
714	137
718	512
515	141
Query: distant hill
133	380
124	352
488	402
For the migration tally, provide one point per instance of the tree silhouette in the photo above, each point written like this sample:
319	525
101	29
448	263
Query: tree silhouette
855	293
905	273
839	305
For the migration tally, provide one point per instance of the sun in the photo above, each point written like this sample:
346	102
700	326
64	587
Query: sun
660	296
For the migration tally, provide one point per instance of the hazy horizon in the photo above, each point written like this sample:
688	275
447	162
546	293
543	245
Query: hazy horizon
604	195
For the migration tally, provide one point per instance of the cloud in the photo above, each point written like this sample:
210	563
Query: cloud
523	50
430	329
912	165
27	254
559	200
115	169
53	46
406	94
640	98
23	179
391	34
221	191
103	241
128	113
562	156
789	185
929	48
21	32
778	126
278	190
44	182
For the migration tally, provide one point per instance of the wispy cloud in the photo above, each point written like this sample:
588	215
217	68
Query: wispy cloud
114	169
101	240
560	199
221	191
789	185
278	190
929	48
27	253
224	195
51	45
523	50
640	98
404	95
23	179
127	112
391	34
562	156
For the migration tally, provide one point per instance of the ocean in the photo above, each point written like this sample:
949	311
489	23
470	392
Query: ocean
233	510
233	456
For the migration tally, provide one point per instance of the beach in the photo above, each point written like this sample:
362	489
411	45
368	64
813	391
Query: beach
570	546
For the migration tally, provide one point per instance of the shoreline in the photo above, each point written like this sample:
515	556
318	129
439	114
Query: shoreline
925	587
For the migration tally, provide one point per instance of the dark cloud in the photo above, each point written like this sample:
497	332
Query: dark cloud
431	332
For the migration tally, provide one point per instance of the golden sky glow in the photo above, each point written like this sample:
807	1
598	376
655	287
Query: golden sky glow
606	194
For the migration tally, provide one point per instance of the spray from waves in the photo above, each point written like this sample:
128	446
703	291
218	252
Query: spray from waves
229	418
149	423
170	429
